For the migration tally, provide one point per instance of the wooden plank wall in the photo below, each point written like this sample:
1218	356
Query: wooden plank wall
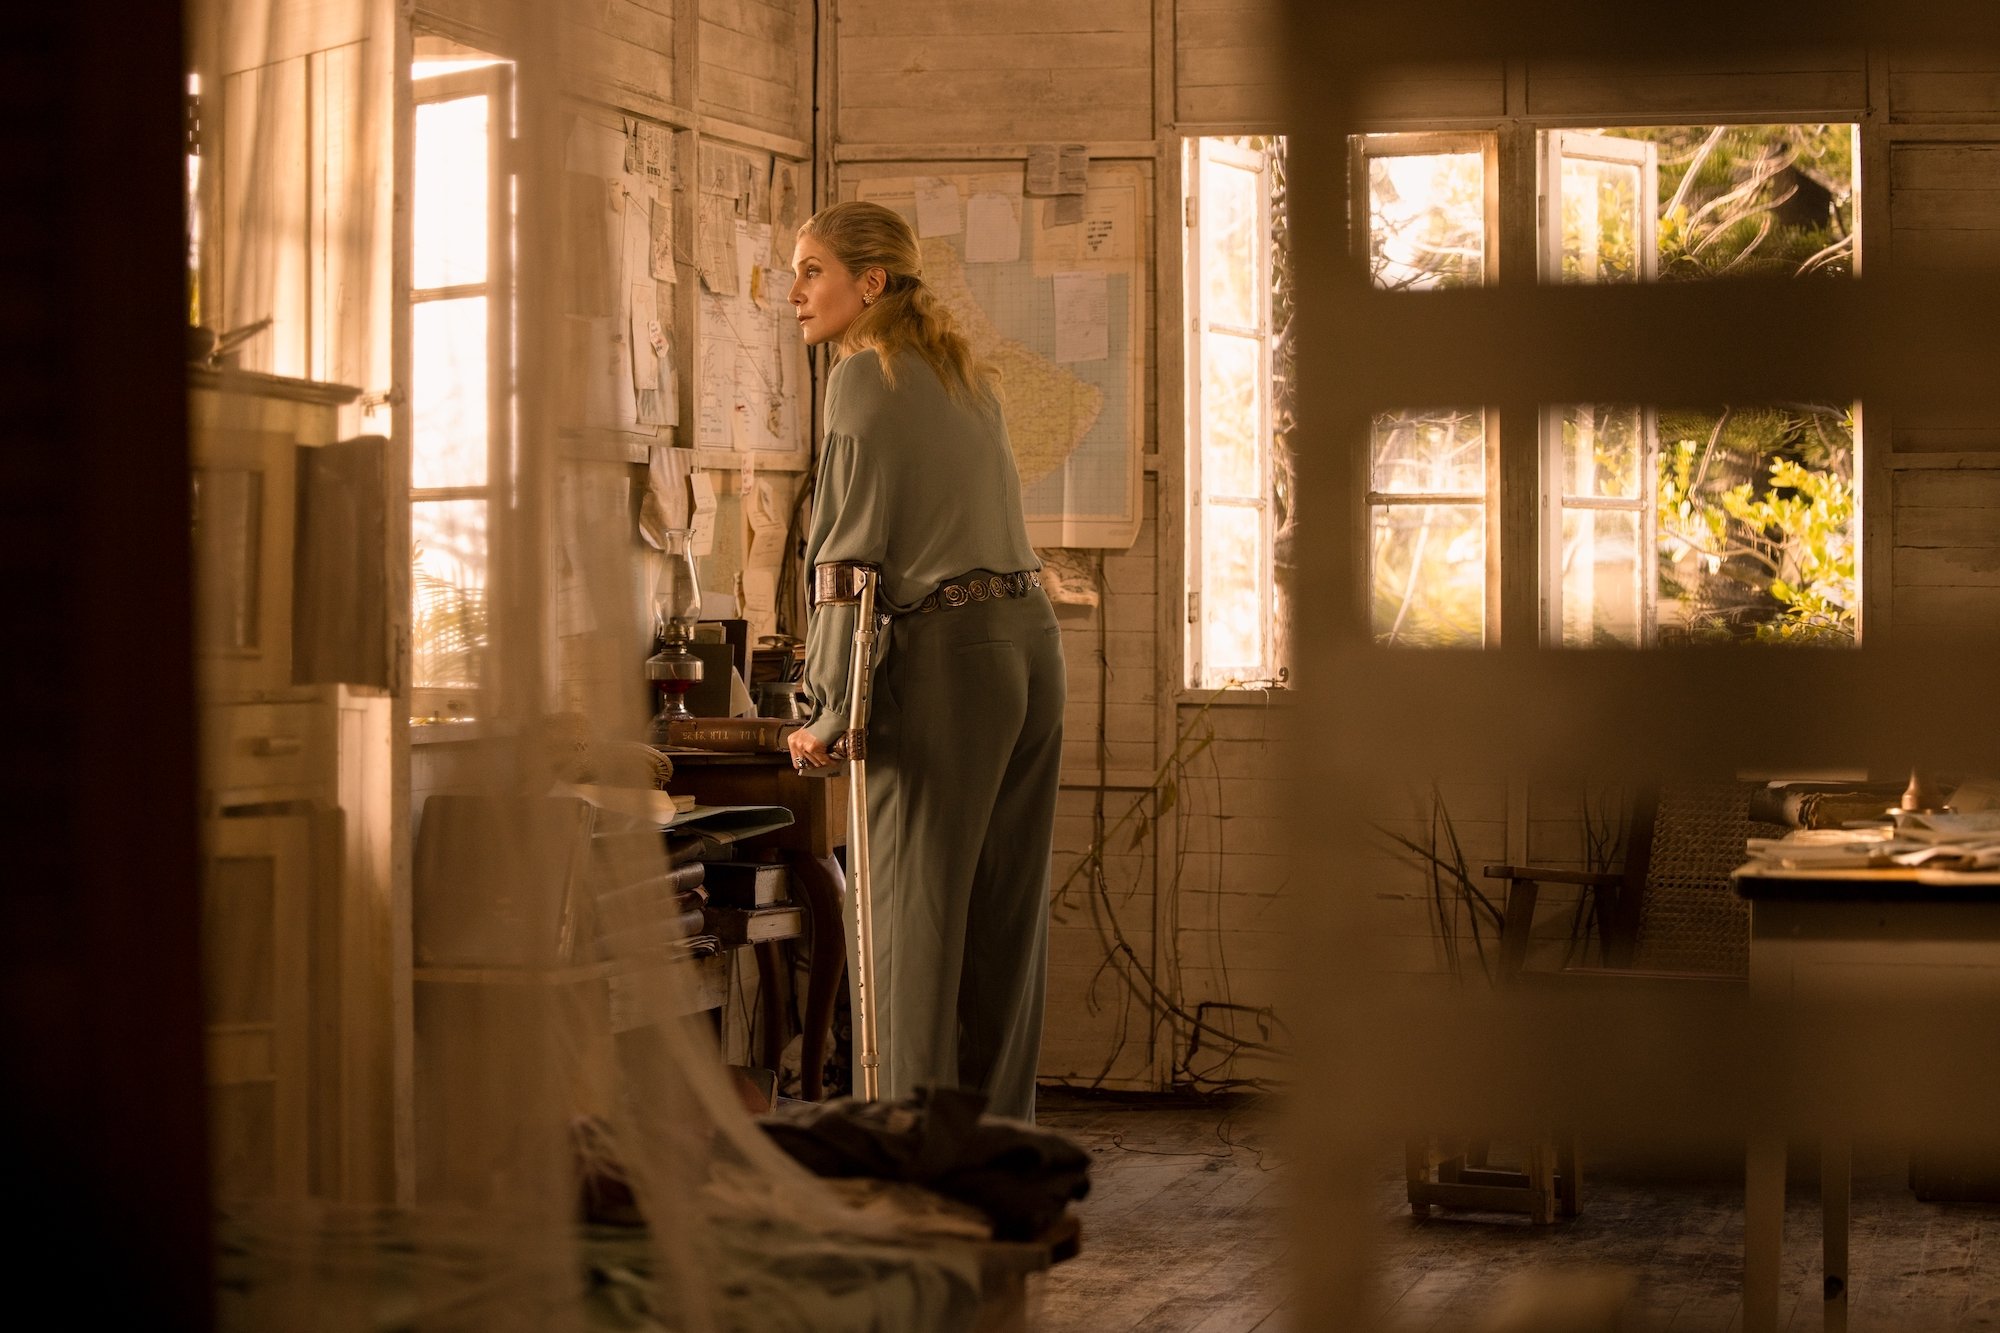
1932	121
752	71
994	71
1195	888
969	79
1942	127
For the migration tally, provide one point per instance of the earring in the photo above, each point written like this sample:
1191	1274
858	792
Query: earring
868	300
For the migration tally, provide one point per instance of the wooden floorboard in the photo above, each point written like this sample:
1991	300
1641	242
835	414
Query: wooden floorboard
1184	1233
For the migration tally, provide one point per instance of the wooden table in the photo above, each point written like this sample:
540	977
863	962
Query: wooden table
819	815
1822	933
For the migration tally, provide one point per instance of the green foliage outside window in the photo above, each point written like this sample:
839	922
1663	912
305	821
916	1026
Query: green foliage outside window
1756	504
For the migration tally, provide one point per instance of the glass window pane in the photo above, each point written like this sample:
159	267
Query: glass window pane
1603	445
1230	253
1429	575
1427	220
1758	524
1233	563
1429	451
447	593
449	217
1232	416
1601	569
1600	221
448	393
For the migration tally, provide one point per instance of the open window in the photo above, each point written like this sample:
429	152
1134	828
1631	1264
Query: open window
1654	524
1599	524
461	373
1428	214
1230	386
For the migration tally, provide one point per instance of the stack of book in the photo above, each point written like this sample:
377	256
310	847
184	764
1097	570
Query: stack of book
750	902
661	913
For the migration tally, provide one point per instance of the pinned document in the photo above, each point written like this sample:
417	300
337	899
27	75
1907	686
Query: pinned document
938	212
1083	319
993	228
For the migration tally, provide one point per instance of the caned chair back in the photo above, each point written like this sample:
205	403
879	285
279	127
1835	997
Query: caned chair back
1689	919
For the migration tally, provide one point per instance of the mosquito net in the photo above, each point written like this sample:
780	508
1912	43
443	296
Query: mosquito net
440	273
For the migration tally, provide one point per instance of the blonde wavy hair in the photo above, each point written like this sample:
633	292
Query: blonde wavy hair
907	316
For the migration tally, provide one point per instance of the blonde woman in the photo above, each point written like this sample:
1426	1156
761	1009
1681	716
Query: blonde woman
965	728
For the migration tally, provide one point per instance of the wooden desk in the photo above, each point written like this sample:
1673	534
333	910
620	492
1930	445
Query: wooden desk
819	814
1820	933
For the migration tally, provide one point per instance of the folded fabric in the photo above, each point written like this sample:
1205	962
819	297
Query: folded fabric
1019	1176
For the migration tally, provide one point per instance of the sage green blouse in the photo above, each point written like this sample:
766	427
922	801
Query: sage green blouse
914	481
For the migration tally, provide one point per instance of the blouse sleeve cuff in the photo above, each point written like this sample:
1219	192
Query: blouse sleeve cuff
827	728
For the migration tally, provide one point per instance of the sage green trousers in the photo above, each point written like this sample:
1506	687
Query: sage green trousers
964	754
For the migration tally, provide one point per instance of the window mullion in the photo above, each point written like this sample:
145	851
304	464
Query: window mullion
1514	508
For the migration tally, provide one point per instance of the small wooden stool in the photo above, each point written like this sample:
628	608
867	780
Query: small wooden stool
1452	1174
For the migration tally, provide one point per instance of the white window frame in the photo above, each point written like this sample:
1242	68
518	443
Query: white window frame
1196	150
1419	144
1559	146
495	82
1547	145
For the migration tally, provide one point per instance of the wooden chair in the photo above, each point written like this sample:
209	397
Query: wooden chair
1667	912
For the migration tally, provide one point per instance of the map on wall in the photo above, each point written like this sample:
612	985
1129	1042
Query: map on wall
1058	306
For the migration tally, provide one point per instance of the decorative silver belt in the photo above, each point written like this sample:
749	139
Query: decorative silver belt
971	588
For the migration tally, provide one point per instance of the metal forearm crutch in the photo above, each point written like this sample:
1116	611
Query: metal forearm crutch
849	583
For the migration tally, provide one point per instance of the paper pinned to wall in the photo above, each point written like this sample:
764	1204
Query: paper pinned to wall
993	228
753	243
1110	230
1054	245
1083	316
938	211
777	283
1061	170
636	230
701	490
660	222
715	244
738	175
666	504
1044	161
647	343
1073	169
787	209
745	403
767	509
654	144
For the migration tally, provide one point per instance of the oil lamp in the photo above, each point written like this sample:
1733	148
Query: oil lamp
674	669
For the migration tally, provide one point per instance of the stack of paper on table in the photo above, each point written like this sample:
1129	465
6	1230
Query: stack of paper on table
1936	841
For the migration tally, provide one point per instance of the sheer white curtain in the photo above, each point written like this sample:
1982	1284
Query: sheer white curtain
445	1102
